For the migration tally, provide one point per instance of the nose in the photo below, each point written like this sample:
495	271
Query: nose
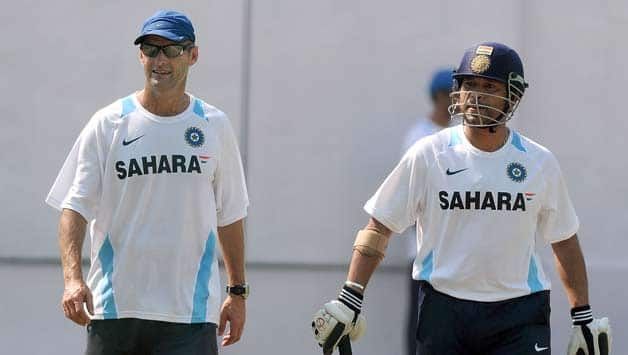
473	97
161	57
478	97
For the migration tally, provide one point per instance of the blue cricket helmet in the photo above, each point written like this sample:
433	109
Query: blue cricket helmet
495	61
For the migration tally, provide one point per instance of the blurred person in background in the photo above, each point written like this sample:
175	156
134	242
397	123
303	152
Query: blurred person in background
481	193
438	91
439	118
158	178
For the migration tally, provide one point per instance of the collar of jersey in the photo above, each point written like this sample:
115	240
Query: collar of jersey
165	119
471	148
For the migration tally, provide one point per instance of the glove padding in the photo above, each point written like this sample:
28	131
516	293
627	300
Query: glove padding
334	321
593	338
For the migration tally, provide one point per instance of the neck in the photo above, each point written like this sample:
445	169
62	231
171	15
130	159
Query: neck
483	139
170	103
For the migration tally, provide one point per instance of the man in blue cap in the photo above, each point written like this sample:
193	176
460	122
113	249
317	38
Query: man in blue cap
482	195
438	90
158	177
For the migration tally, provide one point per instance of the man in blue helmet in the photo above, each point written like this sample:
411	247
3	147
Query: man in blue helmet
481	194
158	179
438	90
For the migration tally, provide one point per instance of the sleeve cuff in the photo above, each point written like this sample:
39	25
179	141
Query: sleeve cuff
383	219
227	220
567	235
78	209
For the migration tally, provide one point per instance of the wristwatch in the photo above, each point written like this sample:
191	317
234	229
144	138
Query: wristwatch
240	290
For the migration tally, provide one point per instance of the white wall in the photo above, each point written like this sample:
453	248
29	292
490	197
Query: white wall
333	87
576	65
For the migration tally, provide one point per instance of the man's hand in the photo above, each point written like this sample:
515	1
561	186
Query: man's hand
333	322
75	295
339	318
233	311
589	336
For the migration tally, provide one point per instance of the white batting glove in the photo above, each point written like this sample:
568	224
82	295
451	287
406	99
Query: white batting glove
589	336
338	318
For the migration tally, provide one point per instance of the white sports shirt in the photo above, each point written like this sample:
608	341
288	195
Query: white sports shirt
154	190
423	128
479	213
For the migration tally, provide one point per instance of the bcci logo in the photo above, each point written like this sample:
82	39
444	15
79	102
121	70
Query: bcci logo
194	137
480	63
516	172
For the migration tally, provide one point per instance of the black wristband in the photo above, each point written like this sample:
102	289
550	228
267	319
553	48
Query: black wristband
351	298
581	315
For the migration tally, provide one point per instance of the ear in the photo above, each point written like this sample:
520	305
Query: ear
193	58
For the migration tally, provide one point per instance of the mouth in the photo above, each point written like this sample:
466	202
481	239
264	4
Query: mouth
161	72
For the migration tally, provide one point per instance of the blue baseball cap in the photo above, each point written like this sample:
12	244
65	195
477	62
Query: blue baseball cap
442	80
169	24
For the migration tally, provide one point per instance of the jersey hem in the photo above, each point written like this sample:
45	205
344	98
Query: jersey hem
152	316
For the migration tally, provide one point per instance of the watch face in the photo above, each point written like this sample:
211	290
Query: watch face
240	290
237	290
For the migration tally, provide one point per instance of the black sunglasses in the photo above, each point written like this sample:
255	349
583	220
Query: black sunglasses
170	51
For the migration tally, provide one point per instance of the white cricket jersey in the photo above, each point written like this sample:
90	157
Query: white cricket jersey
154	190
479	213
422	128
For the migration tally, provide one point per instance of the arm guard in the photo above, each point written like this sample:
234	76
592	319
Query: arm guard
371	243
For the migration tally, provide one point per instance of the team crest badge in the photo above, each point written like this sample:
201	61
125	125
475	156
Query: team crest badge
480	63
487	50
516	172
194	137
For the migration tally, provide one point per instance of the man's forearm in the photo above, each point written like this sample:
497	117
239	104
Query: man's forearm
71	236
362	265
362	268
232	241
572	270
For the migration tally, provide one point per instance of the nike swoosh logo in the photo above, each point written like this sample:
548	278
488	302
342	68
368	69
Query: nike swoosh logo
125	142
455	171
538	349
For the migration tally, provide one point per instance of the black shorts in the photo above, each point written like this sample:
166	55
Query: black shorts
452	326
147	337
